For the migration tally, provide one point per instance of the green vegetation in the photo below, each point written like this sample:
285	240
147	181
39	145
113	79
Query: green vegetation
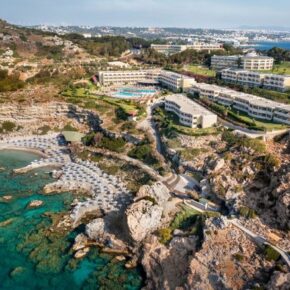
69	127
271	254
282	68
200	70
116	145
271	161
256	145
188	220
10	82
279	54
188	56
143	153
7	127
238	257
247	212
191	153
123	108
43	130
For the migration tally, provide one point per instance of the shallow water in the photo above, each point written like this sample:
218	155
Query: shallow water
32	257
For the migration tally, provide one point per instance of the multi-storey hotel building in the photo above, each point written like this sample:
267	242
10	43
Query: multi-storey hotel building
219	62
251	61
190	114
168	48
277	82
252	105
243	77
107	78
257	62
173	48
174	81
256	79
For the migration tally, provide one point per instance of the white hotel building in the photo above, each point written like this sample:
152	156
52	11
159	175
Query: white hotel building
171	80
250	61
107	78
173	48
256	79
254	106
190	113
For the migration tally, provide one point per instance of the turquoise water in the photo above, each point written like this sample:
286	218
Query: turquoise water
265	45
133	93
32	256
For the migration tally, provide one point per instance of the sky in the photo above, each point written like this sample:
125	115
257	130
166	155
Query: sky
148	13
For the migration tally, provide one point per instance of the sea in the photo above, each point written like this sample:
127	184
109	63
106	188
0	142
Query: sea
266	45
34	257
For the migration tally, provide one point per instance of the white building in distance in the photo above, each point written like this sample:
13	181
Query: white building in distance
190	114
175	48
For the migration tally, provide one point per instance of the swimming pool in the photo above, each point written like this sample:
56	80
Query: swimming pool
128	93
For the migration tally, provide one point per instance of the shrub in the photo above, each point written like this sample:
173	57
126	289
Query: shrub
143	153
165	235
271	160
116	145
69	127
8	126
238	257
43	130
247	212
121	114
271	253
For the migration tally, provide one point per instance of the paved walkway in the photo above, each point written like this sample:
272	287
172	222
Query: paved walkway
260	240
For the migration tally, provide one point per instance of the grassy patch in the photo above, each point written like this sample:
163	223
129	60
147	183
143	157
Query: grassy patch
191	153
271	254
188	220
247	212
200	70
281	69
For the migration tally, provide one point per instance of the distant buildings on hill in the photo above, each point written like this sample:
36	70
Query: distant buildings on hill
169	49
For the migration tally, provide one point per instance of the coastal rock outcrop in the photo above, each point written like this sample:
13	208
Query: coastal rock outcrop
279	281
143	217
166	267
158	191
145	214
96	229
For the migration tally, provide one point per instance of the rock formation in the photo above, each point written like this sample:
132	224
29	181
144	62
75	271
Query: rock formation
167	267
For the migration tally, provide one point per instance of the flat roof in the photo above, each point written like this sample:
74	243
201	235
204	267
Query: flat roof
73	136
188	106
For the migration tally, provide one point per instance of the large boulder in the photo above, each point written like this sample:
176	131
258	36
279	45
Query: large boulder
167	267
279	281
143	217
96	229
158	191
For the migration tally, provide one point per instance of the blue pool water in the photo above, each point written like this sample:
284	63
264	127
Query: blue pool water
32	256
127	93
